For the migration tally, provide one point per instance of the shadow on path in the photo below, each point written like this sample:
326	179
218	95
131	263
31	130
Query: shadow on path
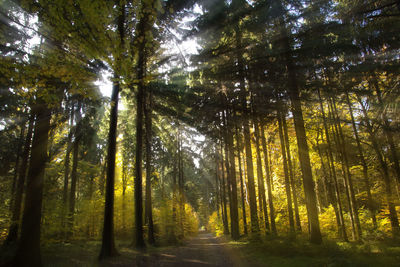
203	250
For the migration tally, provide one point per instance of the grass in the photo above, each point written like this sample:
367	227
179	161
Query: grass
285	252
71	254
84	254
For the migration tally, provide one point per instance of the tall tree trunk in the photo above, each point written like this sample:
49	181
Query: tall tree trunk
16	166
335	132
331	198
394	221
260	199
139	240
270	163
66	170
342	230
143	27
227	162
221	202
363	162
217	184
238	147
260	176
324	180
304	157
255	228
28	250
102	179
285	169
232	177
19	190
74	176
225	216
108	248
291	175
149	209
268	177
353	202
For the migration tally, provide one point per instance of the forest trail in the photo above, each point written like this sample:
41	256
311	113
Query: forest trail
202	250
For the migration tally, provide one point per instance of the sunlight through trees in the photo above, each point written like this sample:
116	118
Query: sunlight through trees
257	120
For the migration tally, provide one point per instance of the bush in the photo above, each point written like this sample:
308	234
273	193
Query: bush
215	224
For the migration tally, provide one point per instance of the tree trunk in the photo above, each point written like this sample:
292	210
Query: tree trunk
335	132
363	163
238	146
149	209
394	221
260	176
143	27
221	202
16	167
28	250
255	228
270	163
217	184
342	230
139	241
232	177
304	157
66	171
285	169
74	176
108	248
102	177
225	216
353	202
291	175
19	190
331	199
227	162
269	186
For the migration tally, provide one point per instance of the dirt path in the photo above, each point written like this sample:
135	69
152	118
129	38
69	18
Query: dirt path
203	250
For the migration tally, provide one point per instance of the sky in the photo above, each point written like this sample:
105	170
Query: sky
105	84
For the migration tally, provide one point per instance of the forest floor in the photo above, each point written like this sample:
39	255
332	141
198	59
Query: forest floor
202	250
207	250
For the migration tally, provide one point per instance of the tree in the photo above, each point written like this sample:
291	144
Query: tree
108	248
17	203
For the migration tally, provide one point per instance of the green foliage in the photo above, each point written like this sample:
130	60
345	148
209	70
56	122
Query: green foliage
327	220
215	224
